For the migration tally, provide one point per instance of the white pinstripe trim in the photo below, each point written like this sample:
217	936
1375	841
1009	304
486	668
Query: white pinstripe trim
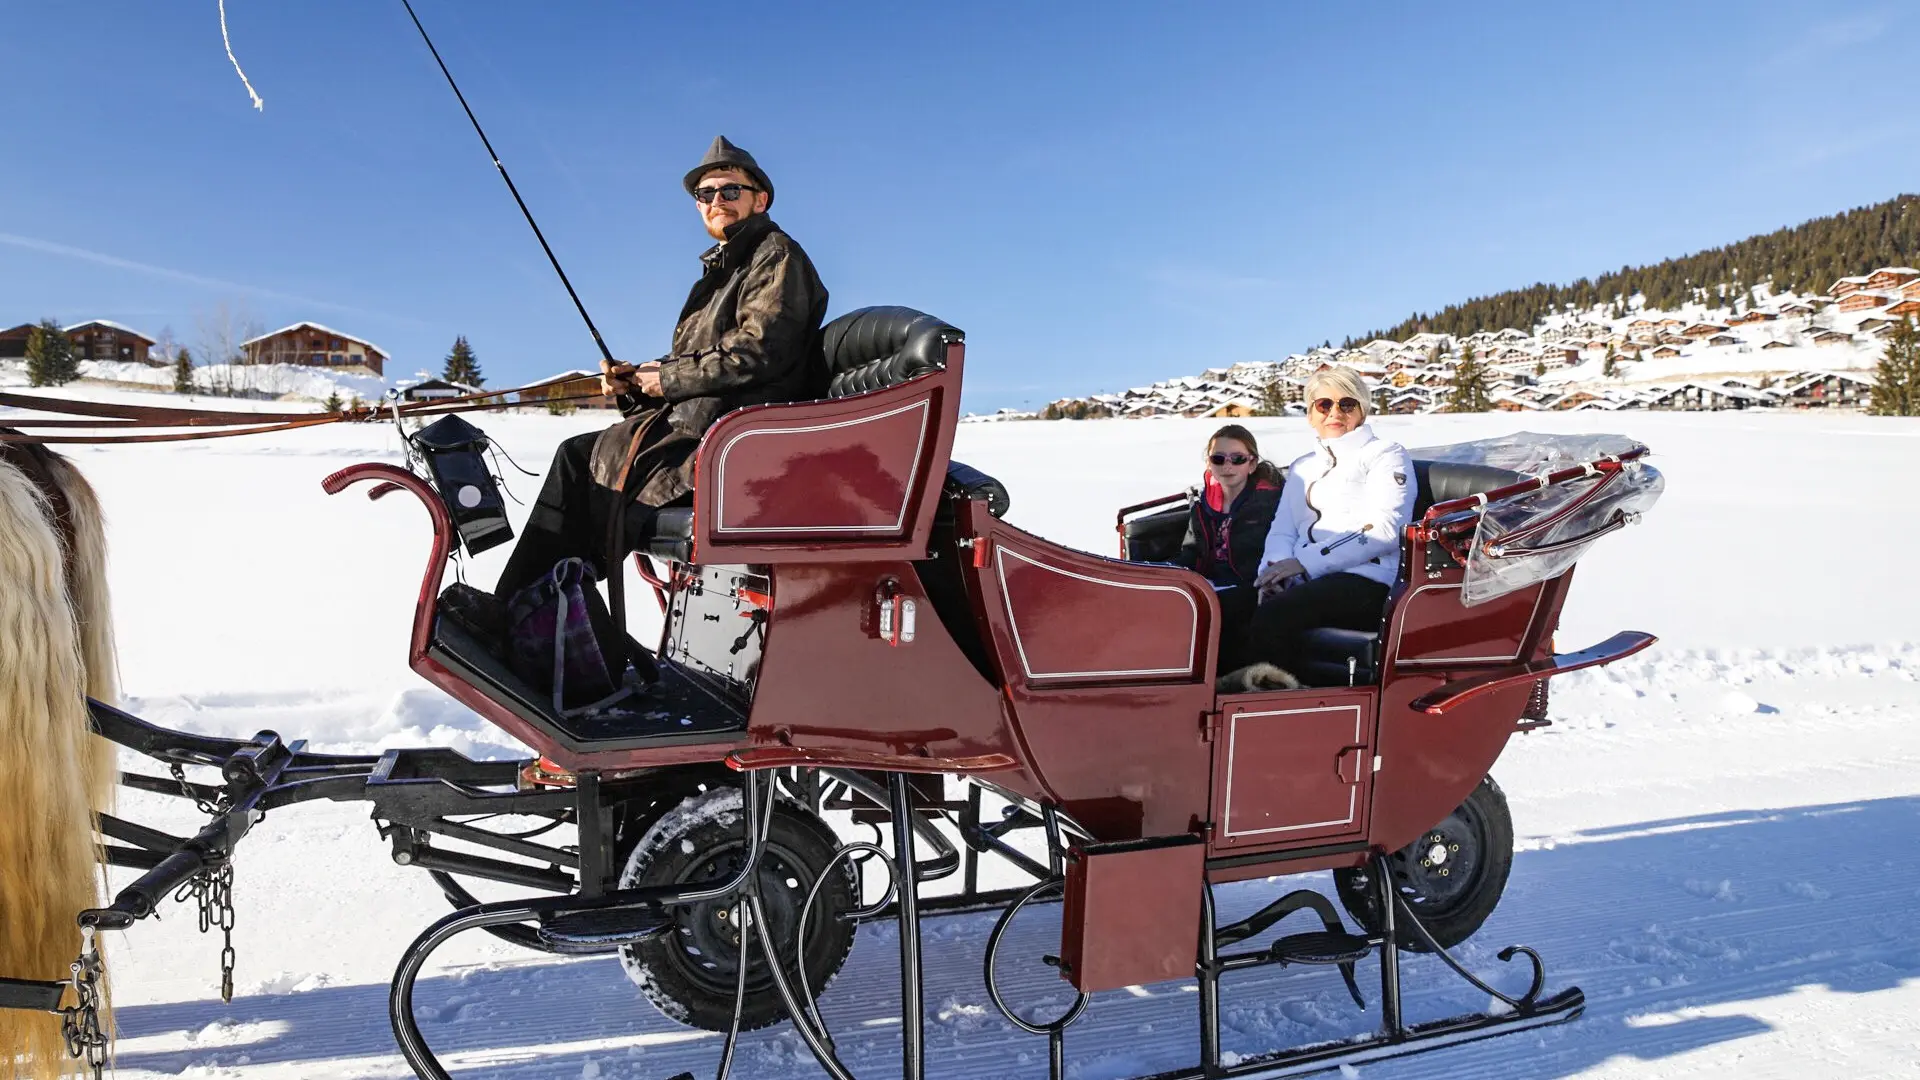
1000	552
1353	792
720	474
1441	661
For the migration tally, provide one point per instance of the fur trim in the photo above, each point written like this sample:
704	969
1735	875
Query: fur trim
48	867
1255	678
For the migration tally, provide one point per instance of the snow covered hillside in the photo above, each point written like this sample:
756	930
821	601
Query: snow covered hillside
1744	350
239	381
1718	837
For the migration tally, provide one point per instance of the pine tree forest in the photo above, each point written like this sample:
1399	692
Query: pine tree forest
1805	258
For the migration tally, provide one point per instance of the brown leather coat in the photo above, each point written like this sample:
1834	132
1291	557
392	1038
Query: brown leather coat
749	334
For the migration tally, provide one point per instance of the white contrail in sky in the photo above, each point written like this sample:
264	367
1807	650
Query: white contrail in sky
257	103
49	247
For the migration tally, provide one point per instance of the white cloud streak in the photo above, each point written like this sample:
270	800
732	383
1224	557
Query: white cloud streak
101	258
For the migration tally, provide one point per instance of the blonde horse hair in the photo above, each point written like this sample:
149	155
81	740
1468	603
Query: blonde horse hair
48	770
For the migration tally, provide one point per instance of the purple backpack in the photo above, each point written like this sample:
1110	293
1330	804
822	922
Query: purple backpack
561	637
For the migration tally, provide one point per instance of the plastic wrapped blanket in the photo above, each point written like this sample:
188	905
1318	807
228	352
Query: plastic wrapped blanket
1536	536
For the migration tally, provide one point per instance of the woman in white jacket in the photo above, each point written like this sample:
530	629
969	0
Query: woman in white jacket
1334	548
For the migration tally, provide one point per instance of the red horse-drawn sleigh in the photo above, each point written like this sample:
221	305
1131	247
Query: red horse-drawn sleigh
850	625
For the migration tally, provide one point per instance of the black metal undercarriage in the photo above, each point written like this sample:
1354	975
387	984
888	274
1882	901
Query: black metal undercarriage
423	799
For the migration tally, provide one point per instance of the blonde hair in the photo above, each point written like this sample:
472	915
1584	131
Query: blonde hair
1342	381
48	865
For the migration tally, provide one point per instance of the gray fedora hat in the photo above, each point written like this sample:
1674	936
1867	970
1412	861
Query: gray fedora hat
724	155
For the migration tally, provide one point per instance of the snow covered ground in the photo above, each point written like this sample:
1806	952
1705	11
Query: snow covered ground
1719	837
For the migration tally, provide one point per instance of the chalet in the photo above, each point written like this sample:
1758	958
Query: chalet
436	390
1723	339
1404	404
1906	307
1703	329
1752	317
13	341
1642	324
1861	300
1831	337
1797	307
1671	324
1911	290
309	344
1574	400
565	390
1892	277
98	339
1875	324
1824	389
1664	352
1847	285
1776	343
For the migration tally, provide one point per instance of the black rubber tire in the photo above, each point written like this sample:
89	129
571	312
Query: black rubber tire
1478	838
689	971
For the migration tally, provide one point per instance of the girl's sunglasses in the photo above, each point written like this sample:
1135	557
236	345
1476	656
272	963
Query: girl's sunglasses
1326	405
1235	459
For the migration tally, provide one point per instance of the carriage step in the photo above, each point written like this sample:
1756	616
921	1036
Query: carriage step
1321	947
31	994
599	930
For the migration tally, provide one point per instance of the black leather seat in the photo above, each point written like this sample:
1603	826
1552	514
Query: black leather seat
877	347
1330	656
869	349
970	483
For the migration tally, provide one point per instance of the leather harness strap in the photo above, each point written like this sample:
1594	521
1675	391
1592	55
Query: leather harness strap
36	464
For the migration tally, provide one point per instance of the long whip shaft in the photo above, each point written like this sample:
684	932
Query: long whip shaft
528	214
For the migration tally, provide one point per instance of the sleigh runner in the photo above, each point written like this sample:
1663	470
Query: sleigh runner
849	620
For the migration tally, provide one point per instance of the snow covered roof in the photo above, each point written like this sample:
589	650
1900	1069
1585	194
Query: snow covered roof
109	325
327	330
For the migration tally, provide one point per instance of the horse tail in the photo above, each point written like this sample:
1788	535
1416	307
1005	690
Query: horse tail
48	867
93	611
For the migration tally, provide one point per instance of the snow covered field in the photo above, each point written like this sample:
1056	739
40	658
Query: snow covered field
1719	837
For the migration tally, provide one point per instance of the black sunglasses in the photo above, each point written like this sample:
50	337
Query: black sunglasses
727	192
1237	459
1326	405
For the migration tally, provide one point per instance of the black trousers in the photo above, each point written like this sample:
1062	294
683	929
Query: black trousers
569	519
1347	601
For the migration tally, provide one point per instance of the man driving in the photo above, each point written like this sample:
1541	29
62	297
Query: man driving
749	334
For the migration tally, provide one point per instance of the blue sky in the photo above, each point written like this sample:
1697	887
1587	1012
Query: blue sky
1100	194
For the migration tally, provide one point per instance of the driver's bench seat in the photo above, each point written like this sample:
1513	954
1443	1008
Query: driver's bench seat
869	349
1330	656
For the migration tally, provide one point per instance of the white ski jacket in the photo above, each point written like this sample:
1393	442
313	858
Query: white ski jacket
1344	509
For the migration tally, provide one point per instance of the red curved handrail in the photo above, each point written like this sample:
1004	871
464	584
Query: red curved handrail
1610	463
394	478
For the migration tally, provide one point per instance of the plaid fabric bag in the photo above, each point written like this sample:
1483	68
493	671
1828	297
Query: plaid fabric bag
561	638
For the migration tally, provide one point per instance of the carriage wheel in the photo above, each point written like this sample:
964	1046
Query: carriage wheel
1452	876
689	972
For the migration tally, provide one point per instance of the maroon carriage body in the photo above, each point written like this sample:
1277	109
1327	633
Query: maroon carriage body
907	628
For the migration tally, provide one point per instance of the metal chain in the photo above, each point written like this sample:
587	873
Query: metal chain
80	1023
212	892
186	789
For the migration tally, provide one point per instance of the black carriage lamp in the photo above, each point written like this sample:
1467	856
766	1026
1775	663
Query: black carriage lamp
454	454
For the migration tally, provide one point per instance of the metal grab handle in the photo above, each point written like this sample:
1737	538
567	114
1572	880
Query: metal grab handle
1620	520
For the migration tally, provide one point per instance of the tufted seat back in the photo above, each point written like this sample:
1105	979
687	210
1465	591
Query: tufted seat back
877	347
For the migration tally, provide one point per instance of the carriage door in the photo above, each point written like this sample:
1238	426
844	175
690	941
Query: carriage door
1292	768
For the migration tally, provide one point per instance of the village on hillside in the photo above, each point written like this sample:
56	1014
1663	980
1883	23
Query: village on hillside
1746	350
303	362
